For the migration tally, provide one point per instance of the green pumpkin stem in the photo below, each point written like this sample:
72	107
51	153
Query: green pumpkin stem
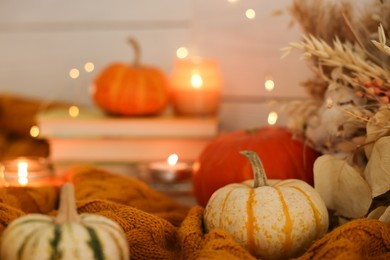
260	178
137	52
67	212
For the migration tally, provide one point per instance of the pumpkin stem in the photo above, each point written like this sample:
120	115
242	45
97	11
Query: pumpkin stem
260	178
137	52
67	212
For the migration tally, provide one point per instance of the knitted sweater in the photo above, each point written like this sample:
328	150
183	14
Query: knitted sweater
159	228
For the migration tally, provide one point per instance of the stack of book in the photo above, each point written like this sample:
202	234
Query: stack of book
93	136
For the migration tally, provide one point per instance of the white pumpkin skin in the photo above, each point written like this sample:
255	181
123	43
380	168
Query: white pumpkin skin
68	236
277	221
33	237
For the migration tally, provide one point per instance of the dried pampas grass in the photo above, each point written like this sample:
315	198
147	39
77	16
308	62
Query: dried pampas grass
348	112
340	49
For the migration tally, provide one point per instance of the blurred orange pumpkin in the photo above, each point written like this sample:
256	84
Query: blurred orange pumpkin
131	90
221	163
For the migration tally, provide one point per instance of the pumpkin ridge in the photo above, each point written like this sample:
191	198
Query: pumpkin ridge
13	232
111	93
94	244
224	203
54	243
25	221
122	79
111	230
117	244
74	236
23	246
250	224
288	224
38	237
19	224
158	97
142	93
160	82
316	213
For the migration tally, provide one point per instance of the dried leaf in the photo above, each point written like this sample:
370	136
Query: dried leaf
377	171
381	213
342	187
386	216
377	128
376	213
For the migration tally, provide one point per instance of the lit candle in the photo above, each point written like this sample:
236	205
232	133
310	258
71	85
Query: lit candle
196	86
23	173
170	170
27	171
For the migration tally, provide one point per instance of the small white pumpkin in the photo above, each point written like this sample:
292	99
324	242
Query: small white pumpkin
67	236
272	221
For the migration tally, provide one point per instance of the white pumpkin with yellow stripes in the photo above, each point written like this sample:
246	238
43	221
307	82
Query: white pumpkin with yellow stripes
67	236
272	220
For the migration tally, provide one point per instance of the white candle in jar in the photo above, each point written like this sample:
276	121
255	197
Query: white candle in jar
27	171
196	86
170	170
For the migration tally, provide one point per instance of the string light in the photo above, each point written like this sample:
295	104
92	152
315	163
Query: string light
250	14
182	52
73	111
89	67
269	85
34	131
272	118
74	73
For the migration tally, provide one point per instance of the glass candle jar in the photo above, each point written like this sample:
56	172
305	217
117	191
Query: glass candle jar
27	171
196	86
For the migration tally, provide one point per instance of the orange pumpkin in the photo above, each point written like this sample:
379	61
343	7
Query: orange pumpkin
221	163
131	90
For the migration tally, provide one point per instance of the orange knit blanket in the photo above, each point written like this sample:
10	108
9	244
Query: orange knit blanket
159	228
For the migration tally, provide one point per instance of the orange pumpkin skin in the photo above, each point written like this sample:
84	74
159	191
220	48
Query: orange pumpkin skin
131	90
221	163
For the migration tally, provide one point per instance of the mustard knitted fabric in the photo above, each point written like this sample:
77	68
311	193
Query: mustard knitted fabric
157	227
92	183
358	239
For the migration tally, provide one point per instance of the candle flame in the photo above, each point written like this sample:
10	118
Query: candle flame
23	173
196	81
172	159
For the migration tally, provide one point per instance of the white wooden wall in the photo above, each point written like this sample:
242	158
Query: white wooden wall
41	40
